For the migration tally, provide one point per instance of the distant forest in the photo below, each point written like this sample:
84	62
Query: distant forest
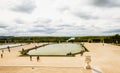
30	39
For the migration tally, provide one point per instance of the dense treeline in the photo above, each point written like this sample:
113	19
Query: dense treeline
32	39
106	39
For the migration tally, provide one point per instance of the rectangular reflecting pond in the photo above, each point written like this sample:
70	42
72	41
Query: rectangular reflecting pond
57	49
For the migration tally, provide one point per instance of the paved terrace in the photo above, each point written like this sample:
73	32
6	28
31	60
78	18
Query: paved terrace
105	59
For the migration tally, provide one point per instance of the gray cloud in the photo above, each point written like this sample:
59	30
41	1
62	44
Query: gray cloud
26	6
39	25
62	9
42	21
19	21
45	30
65	25
113	31
3	26
85	15
72	27
107	3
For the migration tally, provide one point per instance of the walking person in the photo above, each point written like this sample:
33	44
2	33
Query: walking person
8	48
38	58
103	44
23	50
30	58
1	55
35	47
2	51
82	52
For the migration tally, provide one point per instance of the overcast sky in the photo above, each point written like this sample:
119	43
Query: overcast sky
59	17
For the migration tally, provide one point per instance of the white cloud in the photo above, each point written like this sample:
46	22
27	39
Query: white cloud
25	6
59	17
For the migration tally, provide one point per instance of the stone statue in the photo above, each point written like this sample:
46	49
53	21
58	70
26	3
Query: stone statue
88	60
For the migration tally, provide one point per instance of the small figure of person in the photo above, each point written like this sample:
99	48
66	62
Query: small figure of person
23	50
30	58
103	44
8	48
69	54
2	51
38	58
1	55
82	53
35	47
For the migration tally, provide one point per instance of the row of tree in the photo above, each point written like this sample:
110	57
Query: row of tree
106	39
